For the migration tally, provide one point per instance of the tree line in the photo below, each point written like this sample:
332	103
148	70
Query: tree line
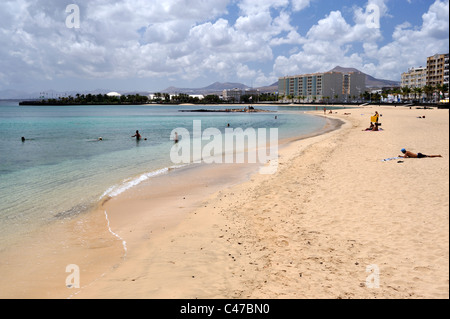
92	99
419	94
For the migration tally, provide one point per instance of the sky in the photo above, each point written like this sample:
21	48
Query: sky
149	45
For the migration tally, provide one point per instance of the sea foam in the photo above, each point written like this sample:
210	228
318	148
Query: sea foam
127	184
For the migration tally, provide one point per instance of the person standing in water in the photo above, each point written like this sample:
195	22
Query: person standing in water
137	136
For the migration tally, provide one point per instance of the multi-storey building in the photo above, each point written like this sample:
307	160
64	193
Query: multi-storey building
236	94
437	70
446	70
415	78
329	86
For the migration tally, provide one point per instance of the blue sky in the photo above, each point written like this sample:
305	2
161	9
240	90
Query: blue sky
150	45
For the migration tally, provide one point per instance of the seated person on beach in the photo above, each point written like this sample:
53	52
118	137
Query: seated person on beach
408	154
376	128
373	127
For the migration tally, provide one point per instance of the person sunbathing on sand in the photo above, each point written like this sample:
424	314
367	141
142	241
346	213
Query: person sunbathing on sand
409	154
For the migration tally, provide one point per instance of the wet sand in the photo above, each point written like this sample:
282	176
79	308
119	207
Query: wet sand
311	230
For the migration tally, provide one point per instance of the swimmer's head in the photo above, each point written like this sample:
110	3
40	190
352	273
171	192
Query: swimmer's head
404	151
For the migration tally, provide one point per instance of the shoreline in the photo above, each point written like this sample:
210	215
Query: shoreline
309	231
59	238
147	228
312	230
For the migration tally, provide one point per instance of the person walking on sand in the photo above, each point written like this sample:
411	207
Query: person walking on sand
408	154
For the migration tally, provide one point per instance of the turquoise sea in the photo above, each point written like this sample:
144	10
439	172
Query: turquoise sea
62	169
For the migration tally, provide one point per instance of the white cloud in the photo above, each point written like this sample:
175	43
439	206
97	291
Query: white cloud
298	5
327	44
189	39
331	42
411	46
251	7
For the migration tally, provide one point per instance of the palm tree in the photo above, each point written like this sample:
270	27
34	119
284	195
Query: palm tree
418	93
428	89
406	91
439	89
445	89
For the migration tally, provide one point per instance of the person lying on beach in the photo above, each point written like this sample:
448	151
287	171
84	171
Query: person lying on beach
408	154
370	128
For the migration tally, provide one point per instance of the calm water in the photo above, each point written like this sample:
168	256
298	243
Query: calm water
63	169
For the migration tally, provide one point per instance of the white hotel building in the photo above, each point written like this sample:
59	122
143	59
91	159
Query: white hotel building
329	86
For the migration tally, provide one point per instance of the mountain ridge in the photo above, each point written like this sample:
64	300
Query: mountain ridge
371	82
214	88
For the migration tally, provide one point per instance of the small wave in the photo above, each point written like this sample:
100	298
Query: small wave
124	243
116	190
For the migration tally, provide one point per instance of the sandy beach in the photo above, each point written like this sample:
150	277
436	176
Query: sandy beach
332	214
335	221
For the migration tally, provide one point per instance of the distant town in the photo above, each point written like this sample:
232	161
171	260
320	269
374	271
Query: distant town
423	84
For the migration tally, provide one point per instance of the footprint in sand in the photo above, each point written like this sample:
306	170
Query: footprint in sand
282	243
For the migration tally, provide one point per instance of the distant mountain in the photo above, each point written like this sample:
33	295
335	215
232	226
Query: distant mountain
371	82
269	89
214	88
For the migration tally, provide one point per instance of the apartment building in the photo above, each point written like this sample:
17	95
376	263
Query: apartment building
415	78
437	70
236	94
329	86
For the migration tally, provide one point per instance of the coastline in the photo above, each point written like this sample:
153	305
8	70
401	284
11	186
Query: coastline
311	230
91	237
308	231
166	204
